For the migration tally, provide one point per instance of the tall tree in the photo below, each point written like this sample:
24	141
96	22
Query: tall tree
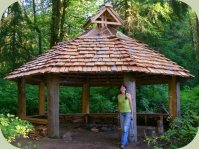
197	37
37	28
16	41
55	24
64	6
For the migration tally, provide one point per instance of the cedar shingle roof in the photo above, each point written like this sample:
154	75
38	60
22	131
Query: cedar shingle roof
101	50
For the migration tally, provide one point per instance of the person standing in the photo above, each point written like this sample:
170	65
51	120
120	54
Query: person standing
125	112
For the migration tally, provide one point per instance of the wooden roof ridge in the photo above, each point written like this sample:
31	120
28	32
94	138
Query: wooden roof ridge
97	32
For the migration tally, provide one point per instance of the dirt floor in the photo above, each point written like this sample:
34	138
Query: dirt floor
80	138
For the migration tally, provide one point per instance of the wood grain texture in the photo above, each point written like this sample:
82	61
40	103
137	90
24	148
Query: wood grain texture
130	84
85	98
174	97
41	98
21	98
53	106
108	54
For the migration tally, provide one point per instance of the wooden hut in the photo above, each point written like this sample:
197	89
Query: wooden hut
101	56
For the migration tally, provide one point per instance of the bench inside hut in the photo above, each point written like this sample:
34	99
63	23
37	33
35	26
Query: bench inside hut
145	121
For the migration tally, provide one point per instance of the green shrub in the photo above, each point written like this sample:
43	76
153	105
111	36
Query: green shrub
13	127
182	130
8	97
70	99
103	99
148	96
190	101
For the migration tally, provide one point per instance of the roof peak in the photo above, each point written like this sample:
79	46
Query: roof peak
105	17
108	4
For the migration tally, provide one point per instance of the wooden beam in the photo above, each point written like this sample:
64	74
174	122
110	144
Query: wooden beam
150	81
36	120
21	98
41	98
53	106
98	14
129	82
115	16
174	97
85	98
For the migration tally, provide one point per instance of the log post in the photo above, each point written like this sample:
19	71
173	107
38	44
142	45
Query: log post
41	98
160	127
129	82
53	106
85	98
174	97
21	98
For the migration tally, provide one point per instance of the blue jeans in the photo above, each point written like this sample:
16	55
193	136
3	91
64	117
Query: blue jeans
125	120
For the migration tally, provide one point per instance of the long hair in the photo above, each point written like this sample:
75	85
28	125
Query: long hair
125	90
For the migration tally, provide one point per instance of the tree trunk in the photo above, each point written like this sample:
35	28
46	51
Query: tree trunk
37	28
55	24
34	11
16	10
197	37
191	33
64	5
34	26
126	15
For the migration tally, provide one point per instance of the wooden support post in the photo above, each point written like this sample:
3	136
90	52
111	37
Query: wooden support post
129	82
160	127
85	98
21	98
145	120
53	106
174	97
41	98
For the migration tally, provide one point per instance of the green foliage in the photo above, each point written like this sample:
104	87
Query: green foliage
103	99
8	97
143	17
182	130
77	15
13	127
16	44
70	99
32	99
190	101
149	97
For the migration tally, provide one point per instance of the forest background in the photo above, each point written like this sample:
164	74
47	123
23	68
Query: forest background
32	27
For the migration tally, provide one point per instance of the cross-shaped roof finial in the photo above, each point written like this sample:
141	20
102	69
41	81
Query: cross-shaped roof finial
106	16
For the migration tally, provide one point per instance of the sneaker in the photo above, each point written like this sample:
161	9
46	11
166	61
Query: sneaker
121	146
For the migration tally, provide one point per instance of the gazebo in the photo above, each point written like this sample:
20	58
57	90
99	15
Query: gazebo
101	56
